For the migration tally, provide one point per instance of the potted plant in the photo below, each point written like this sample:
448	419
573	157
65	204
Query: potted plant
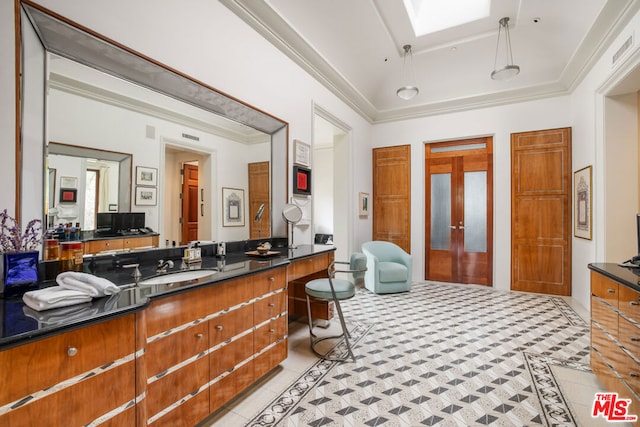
20	255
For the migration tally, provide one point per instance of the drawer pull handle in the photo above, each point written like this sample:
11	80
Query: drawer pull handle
199	336
272	279
634	339
633	375
219	327
272	304
271	331
72	351
611	291
634	303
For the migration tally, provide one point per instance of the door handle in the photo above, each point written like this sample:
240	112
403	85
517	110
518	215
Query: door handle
453	227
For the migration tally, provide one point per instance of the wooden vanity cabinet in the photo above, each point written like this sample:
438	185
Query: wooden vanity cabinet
615	337
302	271
202	346
74	378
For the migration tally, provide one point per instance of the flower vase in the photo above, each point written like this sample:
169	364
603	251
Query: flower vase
19	273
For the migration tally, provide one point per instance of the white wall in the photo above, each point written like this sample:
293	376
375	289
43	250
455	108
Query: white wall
499	122
7	107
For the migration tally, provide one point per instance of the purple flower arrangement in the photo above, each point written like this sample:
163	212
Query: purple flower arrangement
12	239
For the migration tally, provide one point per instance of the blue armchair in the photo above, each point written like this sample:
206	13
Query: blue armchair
388	268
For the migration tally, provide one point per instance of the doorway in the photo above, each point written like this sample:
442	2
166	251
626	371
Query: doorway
331	181
188	208
459	211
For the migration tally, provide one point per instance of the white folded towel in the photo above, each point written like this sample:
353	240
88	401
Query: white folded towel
88	283
54	297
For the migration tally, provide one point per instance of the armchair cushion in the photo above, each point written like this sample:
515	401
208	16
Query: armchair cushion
392	272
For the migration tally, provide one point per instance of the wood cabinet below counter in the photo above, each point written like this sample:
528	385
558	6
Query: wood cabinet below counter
119	244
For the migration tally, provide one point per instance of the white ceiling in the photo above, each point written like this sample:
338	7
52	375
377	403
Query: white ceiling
354	47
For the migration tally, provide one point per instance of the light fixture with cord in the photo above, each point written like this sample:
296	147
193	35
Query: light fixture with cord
509	70
407	92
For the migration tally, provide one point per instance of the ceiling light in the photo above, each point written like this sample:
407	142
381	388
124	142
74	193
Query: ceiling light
509	70
407	92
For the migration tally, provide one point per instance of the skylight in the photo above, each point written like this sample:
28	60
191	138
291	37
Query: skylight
429	16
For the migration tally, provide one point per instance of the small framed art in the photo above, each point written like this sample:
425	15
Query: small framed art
582	193
146	176
68	195
146	196
233	207
301	180
302	153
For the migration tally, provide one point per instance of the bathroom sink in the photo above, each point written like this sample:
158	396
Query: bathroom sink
178	276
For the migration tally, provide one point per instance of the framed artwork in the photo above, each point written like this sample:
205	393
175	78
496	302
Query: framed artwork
301	180
363	205
68	182
301	153
233	207
146	196
583	212
68	195
146	176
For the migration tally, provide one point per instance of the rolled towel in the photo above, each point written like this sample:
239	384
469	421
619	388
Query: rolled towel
54	297
91	285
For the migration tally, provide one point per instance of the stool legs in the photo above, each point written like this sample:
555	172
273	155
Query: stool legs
314	340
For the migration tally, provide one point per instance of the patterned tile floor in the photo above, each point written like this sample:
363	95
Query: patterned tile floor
446	355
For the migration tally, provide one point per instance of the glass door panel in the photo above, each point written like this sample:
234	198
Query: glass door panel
475	211
441	211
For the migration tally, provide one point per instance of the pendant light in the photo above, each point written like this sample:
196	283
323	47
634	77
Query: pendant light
509	70
407	92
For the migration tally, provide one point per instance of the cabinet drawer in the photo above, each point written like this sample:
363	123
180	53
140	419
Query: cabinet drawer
624	365
228	356
605	316
137	242
604	288
44	363
170	350
270	333
306	266
176	310
96	246
230	324
269	307
629	302
269	281
629	336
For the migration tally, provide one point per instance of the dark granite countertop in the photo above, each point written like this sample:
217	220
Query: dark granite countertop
628	276
20	324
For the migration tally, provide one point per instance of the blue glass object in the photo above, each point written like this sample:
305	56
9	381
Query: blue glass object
20	272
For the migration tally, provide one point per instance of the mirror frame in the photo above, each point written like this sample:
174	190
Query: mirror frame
69	39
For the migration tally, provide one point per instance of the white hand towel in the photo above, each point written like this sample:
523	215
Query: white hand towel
54	297
88	283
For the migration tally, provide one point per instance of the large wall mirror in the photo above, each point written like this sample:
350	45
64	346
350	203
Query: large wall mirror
130	132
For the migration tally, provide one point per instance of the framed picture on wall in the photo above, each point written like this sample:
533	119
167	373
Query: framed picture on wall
68	195
582	194
301	180
302	153
146	176
146	196
363	205
233	207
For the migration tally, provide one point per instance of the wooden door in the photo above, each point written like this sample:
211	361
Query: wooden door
459	211
189	203
392	195
541	211
259	195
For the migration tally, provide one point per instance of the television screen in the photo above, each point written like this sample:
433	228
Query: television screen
104	222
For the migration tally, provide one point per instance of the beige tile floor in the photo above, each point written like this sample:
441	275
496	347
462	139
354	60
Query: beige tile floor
578	387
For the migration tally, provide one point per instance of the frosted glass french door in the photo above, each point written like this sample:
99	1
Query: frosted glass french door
459	216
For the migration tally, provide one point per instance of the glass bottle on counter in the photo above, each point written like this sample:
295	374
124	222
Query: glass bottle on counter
71	256
51	250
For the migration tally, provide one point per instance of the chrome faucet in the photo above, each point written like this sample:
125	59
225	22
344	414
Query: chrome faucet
163	265
136	273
